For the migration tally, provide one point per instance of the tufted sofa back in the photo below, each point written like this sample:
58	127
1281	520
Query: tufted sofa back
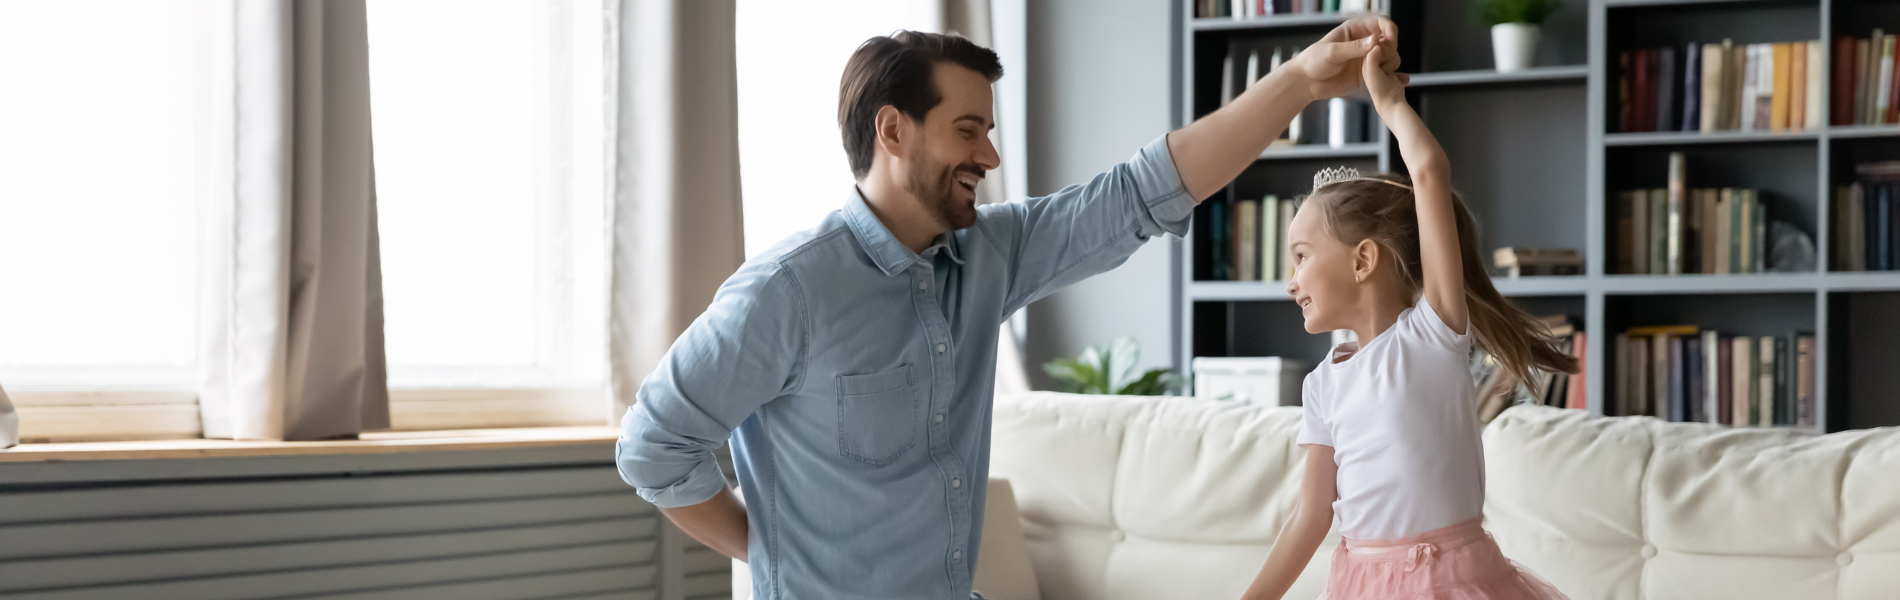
1131	497
1640	508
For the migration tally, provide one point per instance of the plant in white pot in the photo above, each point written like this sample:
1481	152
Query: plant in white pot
1514	29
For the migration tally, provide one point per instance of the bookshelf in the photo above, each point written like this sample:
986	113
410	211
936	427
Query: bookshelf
1537	156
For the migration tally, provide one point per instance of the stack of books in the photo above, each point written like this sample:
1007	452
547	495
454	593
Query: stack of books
1866	82
1866	218
1676	230
1684	374
1247	9
1720	87
1518	261
1247	240
1499	390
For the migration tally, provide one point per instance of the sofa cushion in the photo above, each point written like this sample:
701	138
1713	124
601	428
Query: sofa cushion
1133	497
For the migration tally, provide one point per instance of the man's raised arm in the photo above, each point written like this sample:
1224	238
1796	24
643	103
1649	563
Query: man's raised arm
1214	149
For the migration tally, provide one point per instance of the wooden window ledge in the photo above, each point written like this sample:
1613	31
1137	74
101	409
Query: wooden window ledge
383	442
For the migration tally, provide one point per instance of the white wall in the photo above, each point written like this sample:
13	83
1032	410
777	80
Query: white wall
1098	90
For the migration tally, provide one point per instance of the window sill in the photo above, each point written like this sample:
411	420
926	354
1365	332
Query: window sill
386	442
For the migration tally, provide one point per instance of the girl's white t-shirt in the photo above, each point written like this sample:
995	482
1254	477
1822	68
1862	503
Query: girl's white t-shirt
1401	416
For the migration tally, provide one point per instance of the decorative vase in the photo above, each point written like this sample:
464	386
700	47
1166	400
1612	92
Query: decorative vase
1513	45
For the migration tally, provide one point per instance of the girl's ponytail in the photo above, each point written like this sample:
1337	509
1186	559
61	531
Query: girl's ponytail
1519	341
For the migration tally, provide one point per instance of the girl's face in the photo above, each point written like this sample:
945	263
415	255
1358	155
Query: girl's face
1322	282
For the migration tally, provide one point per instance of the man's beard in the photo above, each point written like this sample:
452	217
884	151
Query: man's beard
935	186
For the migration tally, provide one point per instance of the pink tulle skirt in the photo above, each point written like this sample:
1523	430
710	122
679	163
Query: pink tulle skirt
1460	562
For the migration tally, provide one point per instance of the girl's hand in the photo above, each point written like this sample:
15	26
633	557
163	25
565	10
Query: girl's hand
1383	81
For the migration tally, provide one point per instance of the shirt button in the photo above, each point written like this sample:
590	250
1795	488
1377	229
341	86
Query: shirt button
940	348
923	285
956	555
956	483
939	417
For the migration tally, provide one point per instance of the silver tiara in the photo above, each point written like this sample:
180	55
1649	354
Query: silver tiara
1329	176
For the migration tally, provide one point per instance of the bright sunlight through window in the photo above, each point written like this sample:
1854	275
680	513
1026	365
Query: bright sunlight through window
97	218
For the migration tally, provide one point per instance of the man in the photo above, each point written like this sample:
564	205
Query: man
851	365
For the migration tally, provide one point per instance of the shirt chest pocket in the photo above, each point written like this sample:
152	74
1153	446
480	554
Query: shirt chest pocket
878	415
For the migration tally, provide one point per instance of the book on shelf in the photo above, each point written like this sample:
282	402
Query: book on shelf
1287	208
1247	240
1272	237
1674	207
1687	374
1518	261
1866	219
1865	80
1718	86
1658	231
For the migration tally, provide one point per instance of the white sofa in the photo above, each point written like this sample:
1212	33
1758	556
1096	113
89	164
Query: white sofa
1129	497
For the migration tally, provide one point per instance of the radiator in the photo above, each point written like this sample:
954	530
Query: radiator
182	530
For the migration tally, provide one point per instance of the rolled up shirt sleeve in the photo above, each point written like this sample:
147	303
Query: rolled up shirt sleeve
1086	229
747	349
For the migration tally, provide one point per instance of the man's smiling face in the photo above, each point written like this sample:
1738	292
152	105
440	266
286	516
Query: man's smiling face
955	149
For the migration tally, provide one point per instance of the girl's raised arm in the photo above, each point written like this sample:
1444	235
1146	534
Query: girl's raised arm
1438	250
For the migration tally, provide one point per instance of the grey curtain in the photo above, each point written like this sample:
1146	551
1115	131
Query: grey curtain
290	278
675	225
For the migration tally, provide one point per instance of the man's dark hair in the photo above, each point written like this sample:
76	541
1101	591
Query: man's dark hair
899	70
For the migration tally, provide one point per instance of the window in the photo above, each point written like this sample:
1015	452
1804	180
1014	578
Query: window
97	160
489	150
489	165
792	165
97	219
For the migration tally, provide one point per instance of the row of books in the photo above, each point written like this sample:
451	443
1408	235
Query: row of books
1247	9
1866	84
1676	230
1499	390
1246	239
1681	373
1714	87
1346	120
1866	219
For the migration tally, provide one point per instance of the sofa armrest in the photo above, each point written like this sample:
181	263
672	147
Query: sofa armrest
1003	567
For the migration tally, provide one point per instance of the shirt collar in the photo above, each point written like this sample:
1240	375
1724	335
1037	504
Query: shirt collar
891	256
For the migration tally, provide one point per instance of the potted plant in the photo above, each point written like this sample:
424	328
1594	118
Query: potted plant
1111	369
1514	29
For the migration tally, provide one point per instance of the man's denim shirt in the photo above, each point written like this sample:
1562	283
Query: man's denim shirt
854	378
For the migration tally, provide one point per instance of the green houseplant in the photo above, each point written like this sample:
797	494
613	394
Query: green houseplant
1514	29
1111	369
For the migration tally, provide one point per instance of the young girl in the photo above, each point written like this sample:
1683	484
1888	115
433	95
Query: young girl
1391	430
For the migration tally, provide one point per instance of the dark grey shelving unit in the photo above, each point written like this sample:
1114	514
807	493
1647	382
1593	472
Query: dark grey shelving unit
1536	157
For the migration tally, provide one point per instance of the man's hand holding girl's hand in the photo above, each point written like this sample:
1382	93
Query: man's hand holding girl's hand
1333	66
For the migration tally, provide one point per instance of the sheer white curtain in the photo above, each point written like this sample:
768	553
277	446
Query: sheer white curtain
290	285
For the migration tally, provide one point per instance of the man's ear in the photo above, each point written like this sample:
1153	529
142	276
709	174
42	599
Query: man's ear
891	134
1365	258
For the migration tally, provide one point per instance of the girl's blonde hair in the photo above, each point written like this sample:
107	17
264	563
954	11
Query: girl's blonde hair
1387	214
